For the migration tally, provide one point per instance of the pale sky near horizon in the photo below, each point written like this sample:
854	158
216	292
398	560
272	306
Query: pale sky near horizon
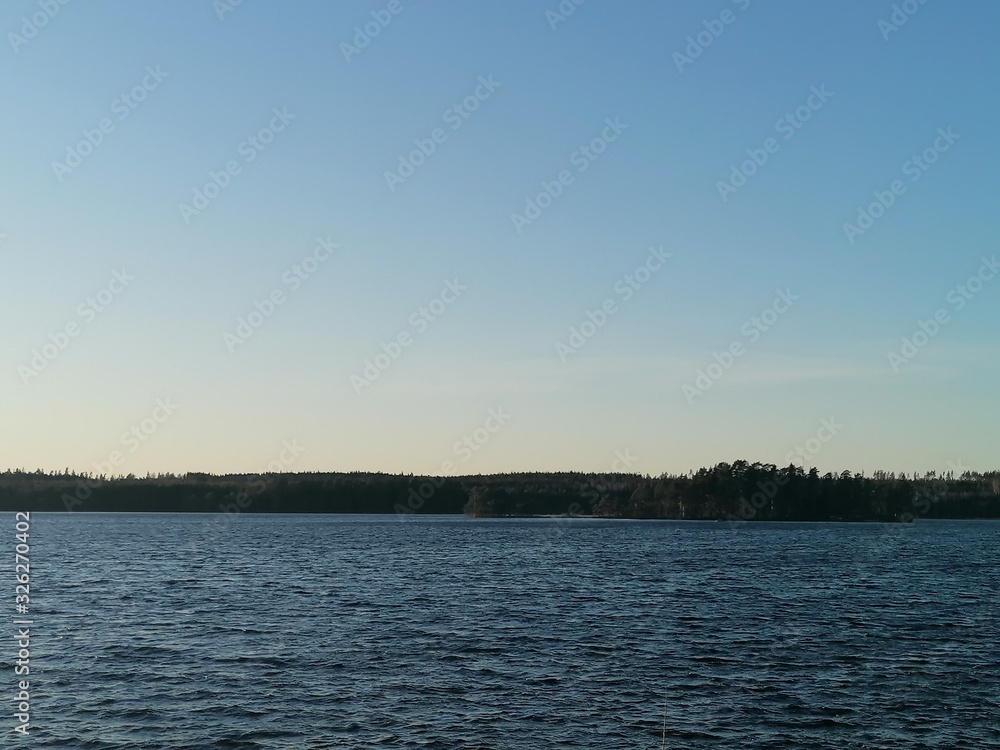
704	160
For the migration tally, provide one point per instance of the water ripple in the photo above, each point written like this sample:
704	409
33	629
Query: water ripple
369	632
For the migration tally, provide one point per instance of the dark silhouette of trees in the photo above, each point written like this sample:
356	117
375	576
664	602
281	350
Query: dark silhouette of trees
736	491
485	502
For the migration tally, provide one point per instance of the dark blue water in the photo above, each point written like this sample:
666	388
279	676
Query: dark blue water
174	631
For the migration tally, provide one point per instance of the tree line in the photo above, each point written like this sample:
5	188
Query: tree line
736	491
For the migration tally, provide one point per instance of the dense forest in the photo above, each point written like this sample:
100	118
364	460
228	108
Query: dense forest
737	491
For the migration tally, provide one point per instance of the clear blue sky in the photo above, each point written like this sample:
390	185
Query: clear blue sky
683	125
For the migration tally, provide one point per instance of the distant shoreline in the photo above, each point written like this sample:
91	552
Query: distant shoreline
739	491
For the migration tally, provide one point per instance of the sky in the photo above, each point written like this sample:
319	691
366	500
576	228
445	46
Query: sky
460	237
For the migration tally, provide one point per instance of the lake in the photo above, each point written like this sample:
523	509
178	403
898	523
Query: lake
295	631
